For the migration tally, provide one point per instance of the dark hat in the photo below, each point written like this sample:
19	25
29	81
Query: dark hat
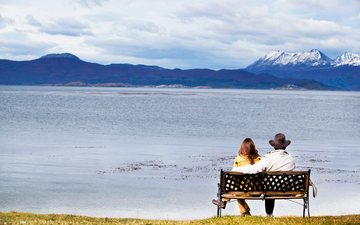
279	141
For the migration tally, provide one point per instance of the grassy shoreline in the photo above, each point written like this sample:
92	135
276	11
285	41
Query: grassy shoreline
63	219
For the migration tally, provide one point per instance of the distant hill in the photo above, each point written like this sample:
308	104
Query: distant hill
342	72
67	68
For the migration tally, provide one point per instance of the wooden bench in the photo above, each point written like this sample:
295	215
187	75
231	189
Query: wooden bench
264	185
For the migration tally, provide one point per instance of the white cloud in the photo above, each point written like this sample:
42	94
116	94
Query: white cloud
61	26
90	3
188	34
32	21
67	27
5	21
23	50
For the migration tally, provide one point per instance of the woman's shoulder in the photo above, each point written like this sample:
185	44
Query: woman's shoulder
239	160
257	158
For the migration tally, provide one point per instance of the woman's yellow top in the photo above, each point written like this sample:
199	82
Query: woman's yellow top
241	160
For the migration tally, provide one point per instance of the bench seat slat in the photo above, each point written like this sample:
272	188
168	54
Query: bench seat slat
228	196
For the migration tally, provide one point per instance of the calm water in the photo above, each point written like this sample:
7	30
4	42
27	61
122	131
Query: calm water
156	153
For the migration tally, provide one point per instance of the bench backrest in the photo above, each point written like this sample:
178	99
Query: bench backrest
269	183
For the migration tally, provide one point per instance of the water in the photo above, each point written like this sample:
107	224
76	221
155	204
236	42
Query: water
156	153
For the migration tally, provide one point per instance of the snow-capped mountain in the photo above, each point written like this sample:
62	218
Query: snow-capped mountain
313	58
280	58
348	58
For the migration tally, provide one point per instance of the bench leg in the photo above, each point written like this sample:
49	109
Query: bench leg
219	209
304	207
219	201
308	206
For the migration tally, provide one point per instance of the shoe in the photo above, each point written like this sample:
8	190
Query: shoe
270	215
246	213
216	202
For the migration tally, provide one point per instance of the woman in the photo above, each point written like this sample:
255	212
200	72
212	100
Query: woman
247	155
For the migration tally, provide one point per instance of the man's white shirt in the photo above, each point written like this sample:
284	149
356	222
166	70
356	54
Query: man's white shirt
276	160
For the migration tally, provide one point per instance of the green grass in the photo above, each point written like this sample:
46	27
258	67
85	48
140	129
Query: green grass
29	218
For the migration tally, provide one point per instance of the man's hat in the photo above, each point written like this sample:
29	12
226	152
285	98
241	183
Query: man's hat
279	141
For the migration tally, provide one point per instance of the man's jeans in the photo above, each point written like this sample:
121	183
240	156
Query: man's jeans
269	206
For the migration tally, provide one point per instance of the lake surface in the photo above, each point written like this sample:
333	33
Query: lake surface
156	153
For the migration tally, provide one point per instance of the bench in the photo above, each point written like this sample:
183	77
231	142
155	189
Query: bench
265	185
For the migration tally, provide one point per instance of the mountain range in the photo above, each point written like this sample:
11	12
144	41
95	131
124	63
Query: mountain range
311	59
307	70
342	72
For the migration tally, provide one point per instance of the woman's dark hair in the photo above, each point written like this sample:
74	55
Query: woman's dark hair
248	149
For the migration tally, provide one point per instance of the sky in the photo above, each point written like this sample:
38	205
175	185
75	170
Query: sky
215	34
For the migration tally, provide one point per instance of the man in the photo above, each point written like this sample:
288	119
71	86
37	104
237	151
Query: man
276	160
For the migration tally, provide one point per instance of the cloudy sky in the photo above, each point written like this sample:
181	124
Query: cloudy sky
177	33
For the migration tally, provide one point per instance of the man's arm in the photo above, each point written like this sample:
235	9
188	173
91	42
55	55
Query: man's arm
255	168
